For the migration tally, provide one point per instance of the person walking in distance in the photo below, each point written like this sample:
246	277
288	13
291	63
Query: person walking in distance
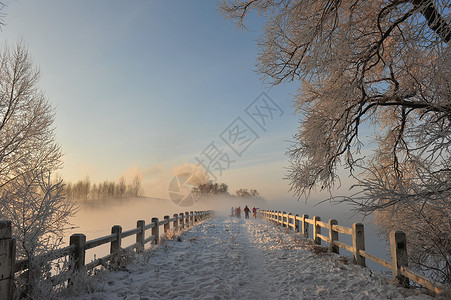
238	212
246	212
254	211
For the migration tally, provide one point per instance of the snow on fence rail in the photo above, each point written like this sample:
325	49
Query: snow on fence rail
398	244
78	246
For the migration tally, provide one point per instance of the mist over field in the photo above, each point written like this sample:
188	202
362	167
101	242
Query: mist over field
98	216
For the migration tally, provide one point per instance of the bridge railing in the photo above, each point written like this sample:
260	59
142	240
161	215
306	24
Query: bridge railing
398	244
78	245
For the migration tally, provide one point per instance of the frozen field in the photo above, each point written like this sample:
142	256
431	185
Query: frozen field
229	258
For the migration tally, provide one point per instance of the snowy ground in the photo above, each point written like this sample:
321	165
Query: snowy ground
229	258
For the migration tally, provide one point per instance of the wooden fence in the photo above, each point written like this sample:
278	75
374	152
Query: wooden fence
398	244
78	246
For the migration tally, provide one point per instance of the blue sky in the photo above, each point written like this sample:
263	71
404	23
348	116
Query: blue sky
143	87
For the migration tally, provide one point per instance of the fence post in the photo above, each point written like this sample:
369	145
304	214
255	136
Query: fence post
316	231
116	245
283	219
140	236
279	218
191	217
187	219
398	248
296	223
358	243
305	226
156	230
195	217
167	225
289	220
176	222
182	221
77	259
7	260
333	236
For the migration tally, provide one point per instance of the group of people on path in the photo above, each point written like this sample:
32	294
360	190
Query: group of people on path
237	212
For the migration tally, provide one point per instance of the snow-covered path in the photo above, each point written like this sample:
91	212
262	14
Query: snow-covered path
229	258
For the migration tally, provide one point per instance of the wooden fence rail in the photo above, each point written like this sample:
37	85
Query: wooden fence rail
398	244
78	246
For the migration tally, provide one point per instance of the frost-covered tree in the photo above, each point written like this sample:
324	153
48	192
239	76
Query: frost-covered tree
39	212
28	155
135	188
121	188
381	68
27	139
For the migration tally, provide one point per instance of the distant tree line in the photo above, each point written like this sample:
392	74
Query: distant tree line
84	190
213	188
210	188
244	193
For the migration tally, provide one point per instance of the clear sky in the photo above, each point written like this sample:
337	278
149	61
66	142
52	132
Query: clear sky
145	87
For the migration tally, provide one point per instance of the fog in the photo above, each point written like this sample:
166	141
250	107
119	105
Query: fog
95	218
